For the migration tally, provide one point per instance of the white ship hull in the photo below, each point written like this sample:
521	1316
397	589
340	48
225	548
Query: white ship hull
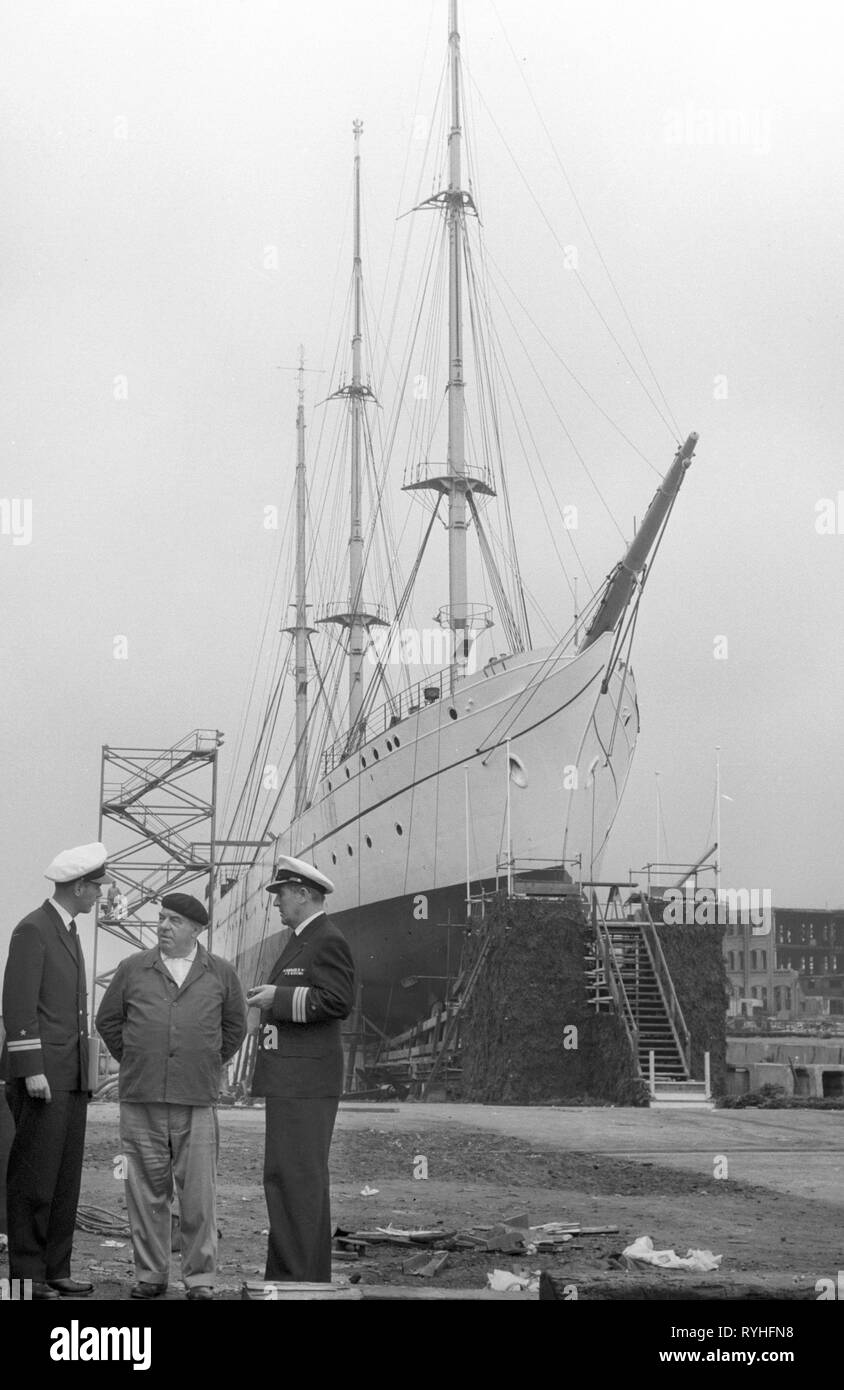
389	823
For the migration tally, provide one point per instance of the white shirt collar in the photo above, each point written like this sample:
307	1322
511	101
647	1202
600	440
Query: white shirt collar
191	956
301	927
67	919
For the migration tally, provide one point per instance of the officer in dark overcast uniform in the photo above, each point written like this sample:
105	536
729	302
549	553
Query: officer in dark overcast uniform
299	1069
45	1066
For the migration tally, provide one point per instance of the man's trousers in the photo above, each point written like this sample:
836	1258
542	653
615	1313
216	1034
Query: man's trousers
296	1185
43	1178
166	1146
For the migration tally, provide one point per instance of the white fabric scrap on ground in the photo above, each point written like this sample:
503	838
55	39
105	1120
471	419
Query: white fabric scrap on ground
642	1252
504	1281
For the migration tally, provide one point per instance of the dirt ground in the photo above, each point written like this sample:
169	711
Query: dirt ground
475	1178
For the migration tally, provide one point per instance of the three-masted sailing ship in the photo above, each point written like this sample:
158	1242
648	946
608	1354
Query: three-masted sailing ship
432	794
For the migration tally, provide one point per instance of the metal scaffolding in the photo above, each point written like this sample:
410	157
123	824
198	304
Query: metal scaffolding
163	800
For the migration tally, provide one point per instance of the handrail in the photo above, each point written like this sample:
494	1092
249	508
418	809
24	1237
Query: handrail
385	717
612	972
665	984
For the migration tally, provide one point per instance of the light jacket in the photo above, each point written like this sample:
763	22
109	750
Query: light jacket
171	1041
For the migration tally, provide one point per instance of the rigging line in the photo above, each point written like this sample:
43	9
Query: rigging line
672	429
578	383
512	633
413	785
262	750
628	641
501	547
268	609
586	224
376	680
400	202
257	749
567	530
543	510
521	703
563	426
484	307
416	319
342	252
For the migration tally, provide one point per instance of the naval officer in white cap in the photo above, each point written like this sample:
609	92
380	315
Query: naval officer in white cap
299	1068
44	1063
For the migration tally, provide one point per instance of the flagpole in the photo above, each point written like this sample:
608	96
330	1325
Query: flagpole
657	776
717	825
509	835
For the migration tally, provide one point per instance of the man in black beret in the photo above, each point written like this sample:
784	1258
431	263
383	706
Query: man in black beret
172	1017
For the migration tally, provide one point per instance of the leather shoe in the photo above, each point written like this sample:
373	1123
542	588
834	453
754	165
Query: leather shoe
200	1292
147	1290
43	1293
70	1288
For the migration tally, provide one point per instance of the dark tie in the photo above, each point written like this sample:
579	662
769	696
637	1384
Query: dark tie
72	927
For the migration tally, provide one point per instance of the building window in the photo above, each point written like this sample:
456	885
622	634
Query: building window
764	997
741	960
753	960
764	955
732	960
754	993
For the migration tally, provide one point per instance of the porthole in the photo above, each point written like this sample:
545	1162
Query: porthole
349	850
348	773
329	786
333	858
452	712
376	755
399	830
389	746
362	760
398	745
369	842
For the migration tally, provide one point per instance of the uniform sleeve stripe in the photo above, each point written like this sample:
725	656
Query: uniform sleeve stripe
300	1000
24	1046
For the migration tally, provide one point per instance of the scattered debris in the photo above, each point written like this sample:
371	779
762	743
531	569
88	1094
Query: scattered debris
642	1252
505	1281
369	1191
426	1265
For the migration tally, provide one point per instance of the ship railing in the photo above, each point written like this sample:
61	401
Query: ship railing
386	717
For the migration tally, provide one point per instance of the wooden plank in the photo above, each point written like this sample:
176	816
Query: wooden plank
670	1285
374	1293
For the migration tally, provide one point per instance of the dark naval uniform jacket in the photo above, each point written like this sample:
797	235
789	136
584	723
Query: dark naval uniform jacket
45	1011
300	1053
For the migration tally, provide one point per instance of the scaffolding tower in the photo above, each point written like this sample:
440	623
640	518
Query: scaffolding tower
163	800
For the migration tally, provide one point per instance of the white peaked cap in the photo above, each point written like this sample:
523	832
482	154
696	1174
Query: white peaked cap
82	862
290	870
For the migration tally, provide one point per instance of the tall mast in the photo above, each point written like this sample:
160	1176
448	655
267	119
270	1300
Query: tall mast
357	628
353	613
456	456
456	481
300	629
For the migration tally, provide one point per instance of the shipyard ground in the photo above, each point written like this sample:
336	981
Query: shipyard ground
778	1214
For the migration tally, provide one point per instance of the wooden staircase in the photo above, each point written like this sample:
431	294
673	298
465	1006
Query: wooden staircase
626	974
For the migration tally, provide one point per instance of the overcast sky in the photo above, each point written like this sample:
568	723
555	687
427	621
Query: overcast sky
152	153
